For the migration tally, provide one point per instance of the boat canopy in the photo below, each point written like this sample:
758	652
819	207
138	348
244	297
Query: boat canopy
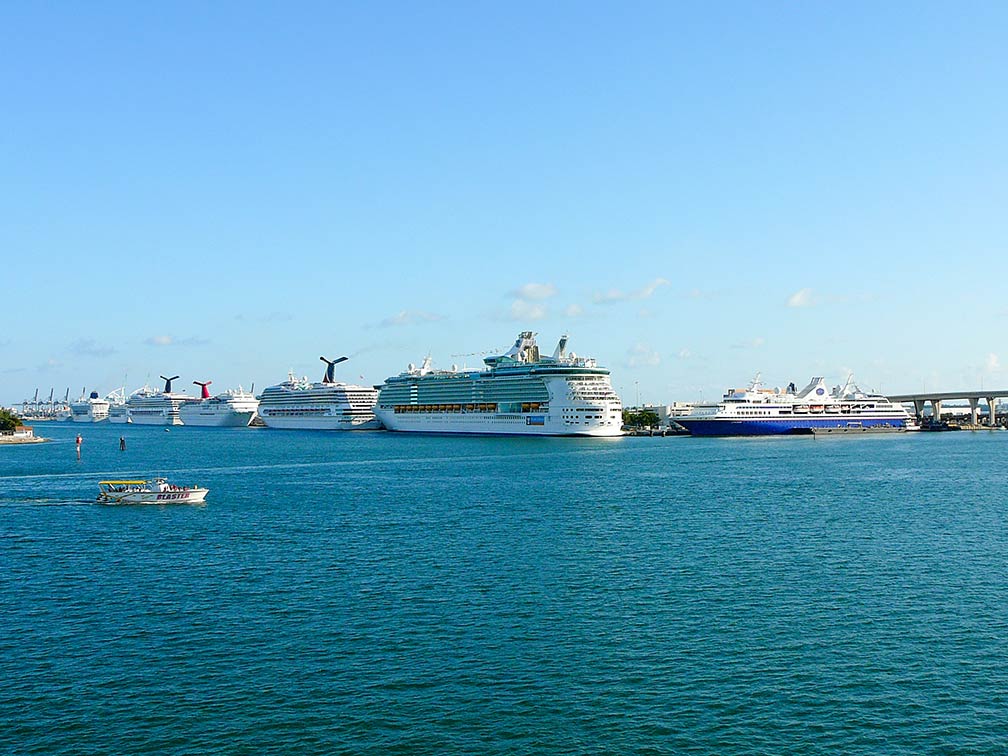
121	482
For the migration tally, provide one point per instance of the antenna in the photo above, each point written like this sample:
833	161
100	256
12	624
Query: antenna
203	385
330	372
167	383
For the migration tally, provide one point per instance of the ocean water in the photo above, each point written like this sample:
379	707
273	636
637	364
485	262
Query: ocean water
383	593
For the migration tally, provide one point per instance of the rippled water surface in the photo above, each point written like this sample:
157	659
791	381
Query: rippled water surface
382	593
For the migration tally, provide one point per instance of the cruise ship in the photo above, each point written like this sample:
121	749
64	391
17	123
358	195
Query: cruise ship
90	409
518	393
118	411
756	411
234	407
329	405
150	407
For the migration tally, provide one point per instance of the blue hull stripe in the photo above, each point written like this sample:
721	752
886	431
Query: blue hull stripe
782	426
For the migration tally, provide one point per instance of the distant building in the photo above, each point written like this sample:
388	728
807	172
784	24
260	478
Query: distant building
669	412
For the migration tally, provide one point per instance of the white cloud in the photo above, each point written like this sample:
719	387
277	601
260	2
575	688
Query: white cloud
684	354
616	295
407	317
801	298
526	311
535	292
993	364
642	355
50	364
574	311
159	341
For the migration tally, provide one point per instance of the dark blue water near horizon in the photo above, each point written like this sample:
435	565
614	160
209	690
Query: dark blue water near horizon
389	593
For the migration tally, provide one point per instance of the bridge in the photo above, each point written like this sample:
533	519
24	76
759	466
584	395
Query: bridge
936	399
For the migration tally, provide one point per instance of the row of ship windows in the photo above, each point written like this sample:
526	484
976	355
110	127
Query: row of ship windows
813	410
301	411
474	407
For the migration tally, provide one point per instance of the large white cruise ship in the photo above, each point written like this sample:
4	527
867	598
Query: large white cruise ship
518	393
90	409
118	411
329	405
234	407
757	411
149	407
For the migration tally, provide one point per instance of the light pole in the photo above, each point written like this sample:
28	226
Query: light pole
637	386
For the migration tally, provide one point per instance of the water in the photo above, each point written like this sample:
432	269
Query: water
382	593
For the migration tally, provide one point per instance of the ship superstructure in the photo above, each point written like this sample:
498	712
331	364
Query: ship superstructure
327	405
234	407
89	409
757	411
521	392
148	406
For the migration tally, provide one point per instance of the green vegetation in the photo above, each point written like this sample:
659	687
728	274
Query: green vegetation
640	418
8	420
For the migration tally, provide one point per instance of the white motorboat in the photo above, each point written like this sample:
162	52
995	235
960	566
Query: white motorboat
155	491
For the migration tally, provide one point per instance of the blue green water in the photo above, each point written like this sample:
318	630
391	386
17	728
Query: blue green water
382	593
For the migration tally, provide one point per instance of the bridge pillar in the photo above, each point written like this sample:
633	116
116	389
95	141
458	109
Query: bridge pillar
974	401
936	410
990	403
919	408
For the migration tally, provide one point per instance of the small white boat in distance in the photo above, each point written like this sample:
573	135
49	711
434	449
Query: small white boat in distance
156	491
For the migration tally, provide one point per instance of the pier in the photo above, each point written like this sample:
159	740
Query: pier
936	399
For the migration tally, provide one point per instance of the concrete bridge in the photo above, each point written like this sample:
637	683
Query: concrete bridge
936	399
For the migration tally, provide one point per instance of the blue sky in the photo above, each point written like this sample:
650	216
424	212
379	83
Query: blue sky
227	191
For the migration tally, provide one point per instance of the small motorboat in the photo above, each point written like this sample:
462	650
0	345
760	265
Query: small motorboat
155	491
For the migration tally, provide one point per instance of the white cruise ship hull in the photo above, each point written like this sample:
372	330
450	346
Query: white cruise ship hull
294	422
121	416
145	418
216	418
88	417
483	423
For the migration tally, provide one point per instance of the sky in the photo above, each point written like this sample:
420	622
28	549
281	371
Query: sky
694	192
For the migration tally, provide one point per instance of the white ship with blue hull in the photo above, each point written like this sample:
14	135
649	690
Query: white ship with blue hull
756	411
520	393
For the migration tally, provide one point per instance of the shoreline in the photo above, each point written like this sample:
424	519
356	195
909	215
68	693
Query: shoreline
30	440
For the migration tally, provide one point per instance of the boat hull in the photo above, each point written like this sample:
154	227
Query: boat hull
782	427
216	419
287	422
141	418
489	424
190	496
